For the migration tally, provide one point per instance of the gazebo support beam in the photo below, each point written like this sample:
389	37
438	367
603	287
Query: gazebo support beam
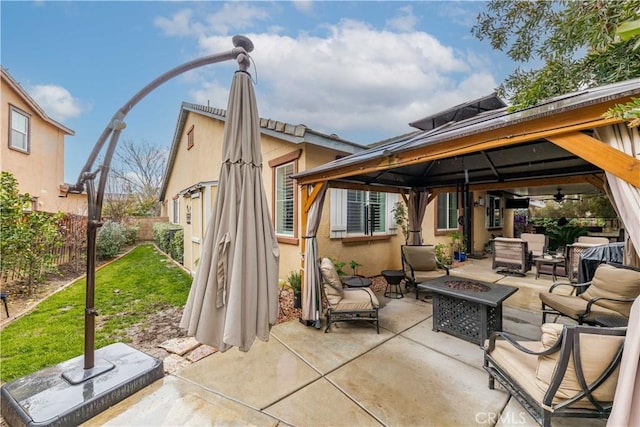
600	154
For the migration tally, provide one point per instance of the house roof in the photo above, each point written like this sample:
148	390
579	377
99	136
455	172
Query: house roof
296	134
32	103
491	148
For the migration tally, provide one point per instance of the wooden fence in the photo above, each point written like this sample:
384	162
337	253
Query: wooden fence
73	229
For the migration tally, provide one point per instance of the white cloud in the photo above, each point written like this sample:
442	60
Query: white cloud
56	101
350	77
303	5
230	17
405	20
179	24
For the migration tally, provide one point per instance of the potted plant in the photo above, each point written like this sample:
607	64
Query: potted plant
401	218
457	243
295	283
564	235
354	266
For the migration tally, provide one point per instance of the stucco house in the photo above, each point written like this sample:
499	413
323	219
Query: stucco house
33	150
359	225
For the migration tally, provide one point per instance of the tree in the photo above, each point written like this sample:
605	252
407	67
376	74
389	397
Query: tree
575	41
135	180
28	238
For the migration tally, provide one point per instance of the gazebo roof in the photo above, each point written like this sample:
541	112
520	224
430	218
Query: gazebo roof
531	151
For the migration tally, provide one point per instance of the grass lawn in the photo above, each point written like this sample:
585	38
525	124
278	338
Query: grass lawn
140	283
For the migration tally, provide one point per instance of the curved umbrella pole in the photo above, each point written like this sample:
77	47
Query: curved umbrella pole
86	180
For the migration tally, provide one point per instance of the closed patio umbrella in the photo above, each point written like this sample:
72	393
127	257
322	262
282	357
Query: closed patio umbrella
234	295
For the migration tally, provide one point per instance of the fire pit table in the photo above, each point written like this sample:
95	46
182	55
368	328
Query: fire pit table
467	308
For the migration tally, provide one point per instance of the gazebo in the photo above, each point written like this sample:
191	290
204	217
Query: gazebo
483	145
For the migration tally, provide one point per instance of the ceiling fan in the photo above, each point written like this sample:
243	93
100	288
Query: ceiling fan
560	197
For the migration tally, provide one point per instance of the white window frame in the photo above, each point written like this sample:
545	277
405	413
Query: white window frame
447	199
338	214
14	130
284	201
495	213
175	207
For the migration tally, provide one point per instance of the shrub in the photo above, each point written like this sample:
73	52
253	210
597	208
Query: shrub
130	234
109	240
28	239
162	235
177	246
170	239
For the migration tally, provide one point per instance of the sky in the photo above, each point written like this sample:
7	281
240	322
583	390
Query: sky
362	70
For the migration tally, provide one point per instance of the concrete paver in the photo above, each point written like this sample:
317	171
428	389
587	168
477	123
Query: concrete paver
408	375
258	377
172	401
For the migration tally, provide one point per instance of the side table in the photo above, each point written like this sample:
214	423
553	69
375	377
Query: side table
540	261
357	282
393	278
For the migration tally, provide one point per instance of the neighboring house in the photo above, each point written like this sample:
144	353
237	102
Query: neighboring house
358	225
33	150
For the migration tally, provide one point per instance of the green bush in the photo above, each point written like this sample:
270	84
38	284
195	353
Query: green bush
130	234
27	239
162	235
110	239
177	246
170	239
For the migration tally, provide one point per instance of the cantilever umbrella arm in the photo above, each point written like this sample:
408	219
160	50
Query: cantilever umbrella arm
86	179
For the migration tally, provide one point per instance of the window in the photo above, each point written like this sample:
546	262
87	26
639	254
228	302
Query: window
176	211
285	198
357	213
190	138
19	124
447	213
365	212
494	212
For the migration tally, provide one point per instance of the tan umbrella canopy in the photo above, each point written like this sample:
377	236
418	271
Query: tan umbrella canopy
234	295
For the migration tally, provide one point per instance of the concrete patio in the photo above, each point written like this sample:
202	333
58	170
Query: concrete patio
408	375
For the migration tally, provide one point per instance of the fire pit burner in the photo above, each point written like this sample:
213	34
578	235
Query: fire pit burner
465	285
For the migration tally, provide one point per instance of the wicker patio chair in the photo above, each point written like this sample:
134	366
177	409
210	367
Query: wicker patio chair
536	243
571	372
350	304
572	259
511	254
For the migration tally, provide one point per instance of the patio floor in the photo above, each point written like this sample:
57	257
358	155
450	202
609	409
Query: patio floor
407	375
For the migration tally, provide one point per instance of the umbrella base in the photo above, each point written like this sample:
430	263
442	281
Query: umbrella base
65	395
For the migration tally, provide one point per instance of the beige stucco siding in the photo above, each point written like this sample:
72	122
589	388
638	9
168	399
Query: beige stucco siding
201	164
374	255
40	172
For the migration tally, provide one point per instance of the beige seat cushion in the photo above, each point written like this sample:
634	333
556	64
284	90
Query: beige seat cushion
533	373
573	306
536	243
356	299
593	240
421	258
612	282
331	281
521	367
597	353
423	276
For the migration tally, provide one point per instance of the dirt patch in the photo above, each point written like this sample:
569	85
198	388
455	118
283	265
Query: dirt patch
20	301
